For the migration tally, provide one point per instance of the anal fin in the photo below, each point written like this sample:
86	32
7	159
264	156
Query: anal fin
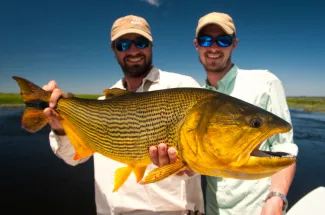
81	149
160	173
121	175
139	172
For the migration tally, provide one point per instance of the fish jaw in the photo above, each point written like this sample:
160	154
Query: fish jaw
278	126
257	167
265	163
259	164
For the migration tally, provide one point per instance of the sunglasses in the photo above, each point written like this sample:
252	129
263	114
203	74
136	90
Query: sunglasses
222	40
124	45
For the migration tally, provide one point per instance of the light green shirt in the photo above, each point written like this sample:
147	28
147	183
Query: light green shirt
262	88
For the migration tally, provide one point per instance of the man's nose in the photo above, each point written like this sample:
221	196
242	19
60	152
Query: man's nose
133	48
214	47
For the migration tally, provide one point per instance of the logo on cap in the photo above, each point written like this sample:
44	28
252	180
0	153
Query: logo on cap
135	21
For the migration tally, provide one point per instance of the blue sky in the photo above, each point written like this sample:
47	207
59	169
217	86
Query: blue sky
68	41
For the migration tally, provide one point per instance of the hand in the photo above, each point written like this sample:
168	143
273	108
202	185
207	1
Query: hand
49	112
273	206
161	156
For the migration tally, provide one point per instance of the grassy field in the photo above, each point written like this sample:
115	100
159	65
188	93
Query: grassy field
15	100
310	104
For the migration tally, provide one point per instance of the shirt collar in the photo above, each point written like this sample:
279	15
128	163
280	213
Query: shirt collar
225	81
153	76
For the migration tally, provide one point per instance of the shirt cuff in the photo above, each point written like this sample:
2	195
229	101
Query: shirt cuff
60	140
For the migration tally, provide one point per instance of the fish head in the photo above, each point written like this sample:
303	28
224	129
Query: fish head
228	133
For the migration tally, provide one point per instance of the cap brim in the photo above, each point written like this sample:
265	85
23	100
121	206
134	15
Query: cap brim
225	28
131	31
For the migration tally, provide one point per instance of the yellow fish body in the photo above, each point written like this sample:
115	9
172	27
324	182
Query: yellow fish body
214	134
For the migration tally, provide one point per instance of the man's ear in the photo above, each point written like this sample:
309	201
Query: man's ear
235	43
195	44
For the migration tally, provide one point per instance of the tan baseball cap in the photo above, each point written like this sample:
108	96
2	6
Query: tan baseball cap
130	24
221	19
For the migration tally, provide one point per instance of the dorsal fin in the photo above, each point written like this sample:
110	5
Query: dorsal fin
114	92
70	95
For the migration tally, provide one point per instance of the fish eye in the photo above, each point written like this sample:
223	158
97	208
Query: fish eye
255	122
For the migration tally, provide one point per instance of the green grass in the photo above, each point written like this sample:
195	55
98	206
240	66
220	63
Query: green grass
14	99
310	104
88	96
10	98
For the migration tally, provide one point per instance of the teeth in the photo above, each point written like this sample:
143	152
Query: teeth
214	56
134	59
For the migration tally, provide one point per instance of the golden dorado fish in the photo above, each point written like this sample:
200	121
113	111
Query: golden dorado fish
214	134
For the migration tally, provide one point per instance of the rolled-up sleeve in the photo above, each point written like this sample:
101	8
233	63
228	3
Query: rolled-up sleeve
277	104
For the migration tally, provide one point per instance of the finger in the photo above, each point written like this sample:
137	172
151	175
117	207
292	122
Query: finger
162	154
55	125
51	114
56	94
180	173
189	172
48	112
186	171
53	119
50	86
172	155
153	151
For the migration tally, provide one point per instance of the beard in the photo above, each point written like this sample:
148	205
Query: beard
137	70
216	67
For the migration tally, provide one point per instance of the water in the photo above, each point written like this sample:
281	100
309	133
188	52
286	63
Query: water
35	181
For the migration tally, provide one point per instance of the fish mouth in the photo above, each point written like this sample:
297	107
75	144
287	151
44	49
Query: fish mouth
262	154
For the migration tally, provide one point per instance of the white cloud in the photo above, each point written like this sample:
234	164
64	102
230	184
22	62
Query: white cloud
153	2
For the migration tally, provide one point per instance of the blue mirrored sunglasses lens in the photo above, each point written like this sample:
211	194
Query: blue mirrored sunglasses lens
205	41
123	45
141	43
224	41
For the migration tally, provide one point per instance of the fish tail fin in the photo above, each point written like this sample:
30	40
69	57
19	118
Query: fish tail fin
36	100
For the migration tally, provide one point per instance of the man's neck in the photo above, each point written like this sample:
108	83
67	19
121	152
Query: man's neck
214	77
133	83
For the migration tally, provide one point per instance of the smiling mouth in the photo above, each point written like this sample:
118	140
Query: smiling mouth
213	56
134	59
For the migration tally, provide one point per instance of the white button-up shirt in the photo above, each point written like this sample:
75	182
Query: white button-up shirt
173	195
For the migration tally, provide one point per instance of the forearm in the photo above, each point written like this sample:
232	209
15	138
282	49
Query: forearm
282	180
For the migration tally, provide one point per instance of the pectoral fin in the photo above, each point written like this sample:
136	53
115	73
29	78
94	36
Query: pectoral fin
121	174
163	172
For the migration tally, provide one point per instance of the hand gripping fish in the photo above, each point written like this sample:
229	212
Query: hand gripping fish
214	134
